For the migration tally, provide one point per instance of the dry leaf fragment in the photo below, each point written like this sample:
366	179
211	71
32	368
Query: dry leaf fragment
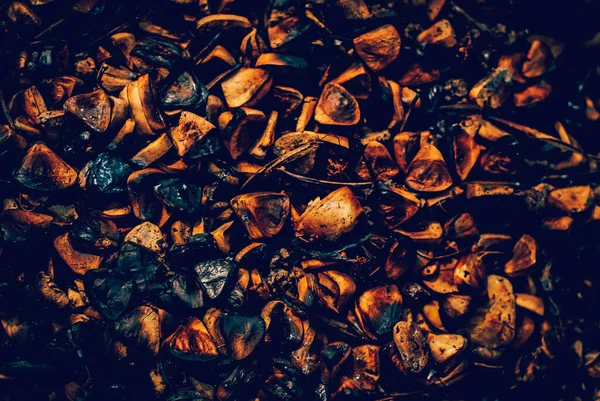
524	256
262	213
337	106
428	171
440	33
574	200
192	342
190	136
539	60
531	303
42	170
328	218
378	48
246	86
411	344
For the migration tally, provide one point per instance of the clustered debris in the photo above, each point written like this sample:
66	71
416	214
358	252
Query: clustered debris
218	200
